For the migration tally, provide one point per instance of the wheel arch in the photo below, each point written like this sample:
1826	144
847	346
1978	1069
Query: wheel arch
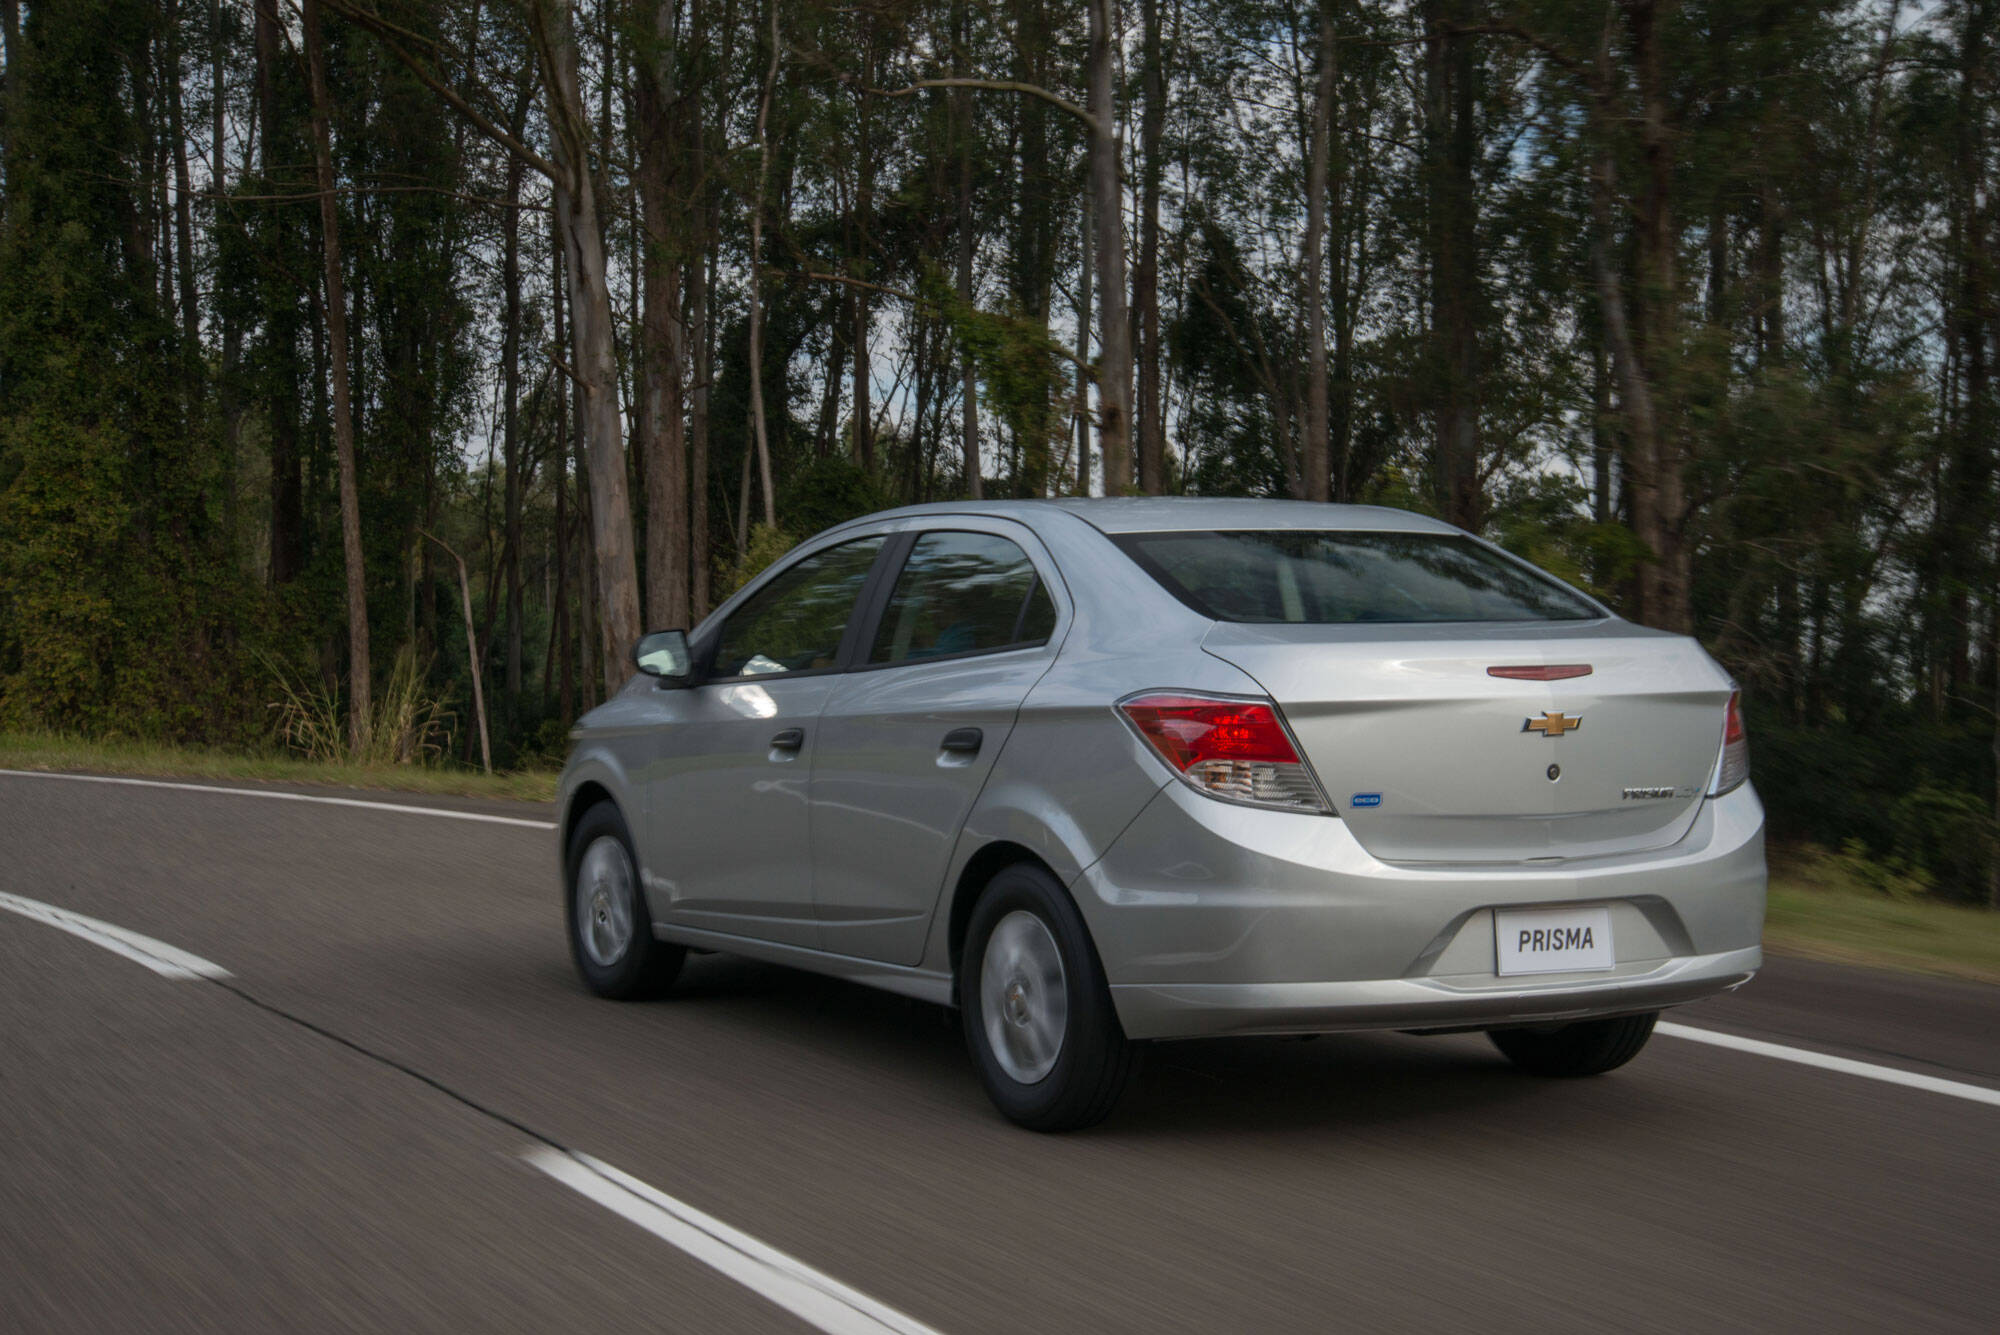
587	794
988	861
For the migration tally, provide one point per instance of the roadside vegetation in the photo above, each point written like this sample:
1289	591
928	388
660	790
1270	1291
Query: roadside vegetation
50	751
372	371
1846	907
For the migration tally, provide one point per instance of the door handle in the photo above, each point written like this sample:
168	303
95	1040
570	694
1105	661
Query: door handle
791	739
962	741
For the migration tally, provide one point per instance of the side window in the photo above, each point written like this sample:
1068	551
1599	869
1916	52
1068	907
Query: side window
962	593
795	622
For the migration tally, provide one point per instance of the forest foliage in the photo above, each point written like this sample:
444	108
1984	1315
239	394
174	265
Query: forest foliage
1690	301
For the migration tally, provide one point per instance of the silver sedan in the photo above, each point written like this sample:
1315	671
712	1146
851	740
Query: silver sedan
1105	772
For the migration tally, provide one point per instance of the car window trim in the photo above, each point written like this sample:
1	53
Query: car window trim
887	591
843	656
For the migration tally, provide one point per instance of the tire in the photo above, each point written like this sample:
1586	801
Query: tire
610	932
1587	1047
1050	1050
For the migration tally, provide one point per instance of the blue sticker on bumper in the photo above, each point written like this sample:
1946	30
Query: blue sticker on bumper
1365	800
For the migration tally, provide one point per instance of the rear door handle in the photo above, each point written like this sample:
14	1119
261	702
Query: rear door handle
791	739
962	741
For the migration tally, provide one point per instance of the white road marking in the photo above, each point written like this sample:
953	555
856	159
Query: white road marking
446	812
812	1296
163	959
1827	1062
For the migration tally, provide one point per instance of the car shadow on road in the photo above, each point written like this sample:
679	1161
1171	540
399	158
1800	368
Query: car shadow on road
1182	1088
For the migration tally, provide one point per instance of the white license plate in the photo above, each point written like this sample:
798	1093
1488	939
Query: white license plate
1552	940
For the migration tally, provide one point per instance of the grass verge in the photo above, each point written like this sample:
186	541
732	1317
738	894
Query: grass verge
1821	908
49	752
1821	905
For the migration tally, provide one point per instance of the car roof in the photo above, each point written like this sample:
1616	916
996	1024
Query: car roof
1153	514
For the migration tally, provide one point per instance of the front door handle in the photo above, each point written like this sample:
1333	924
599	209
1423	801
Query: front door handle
791	739
962	741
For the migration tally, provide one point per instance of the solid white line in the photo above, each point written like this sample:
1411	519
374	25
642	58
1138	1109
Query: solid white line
446	812
1827	1062
163	959
806	1293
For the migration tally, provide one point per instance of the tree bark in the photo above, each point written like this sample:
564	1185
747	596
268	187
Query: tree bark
968	377
759	428
1146	274
663	342
510	430
1114	378
287	499
1084	271
227	402
591	333
1315	459
183	192
1451	238
360	709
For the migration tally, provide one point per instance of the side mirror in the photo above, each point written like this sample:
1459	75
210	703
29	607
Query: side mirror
665	654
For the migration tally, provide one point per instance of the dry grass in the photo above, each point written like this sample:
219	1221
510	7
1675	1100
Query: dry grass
46	751
1829	906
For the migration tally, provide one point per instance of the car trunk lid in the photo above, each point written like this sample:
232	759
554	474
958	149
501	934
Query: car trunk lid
1432	758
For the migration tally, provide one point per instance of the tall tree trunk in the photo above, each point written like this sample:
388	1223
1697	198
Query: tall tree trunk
226	394
663	341
183	192
10	97
360	710
1315	459
1450	147
699	594
559	290
857	265
1084	272
759	428
700	337
962	120
591	333
287	513
1114	377
510	428
1642	334
1146	274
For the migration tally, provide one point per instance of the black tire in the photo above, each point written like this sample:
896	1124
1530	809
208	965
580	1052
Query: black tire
1588	1047
1094	1060
644	967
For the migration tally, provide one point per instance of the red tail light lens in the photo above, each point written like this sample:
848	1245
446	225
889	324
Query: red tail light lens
1236	750
1733	766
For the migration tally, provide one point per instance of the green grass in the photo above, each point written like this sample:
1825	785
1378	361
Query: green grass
46	751
1822	906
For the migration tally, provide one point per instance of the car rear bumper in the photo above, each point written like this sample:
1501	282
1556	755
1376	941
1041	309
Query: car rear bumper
1196	1010
1219	919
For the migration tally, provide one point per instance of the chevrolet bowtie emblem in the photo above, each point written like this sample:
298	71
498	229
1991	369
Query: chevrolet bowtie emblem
1553	725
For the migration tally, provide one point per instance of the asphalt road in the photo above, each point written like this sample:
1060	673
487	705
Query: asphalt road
332	1138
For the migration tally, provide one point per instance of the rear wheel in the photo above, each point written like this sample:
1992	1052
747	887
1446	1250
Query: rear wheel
1587	1047
610	932
1036	1010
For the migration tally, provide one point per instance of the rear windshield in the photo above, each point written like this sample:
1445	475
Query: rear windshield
1333	578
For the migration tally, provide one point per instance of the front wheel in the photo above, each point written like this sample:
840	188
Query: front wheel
610	932
1587	1047
1036	1010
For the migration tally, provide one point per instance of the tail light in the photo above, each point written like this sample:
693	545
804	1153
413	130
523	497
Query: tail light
1236	750
1734	765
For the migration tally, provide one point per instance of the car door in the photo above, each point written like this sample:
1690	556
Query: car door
907	738
728	789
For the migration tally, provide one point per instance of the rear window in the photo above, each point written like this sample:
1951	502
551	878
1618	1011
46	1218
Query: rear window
1340	577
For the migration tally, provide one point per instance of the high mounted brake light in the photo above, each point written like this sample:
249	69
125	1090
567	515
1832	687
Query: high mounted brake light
1733	766
1235	750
